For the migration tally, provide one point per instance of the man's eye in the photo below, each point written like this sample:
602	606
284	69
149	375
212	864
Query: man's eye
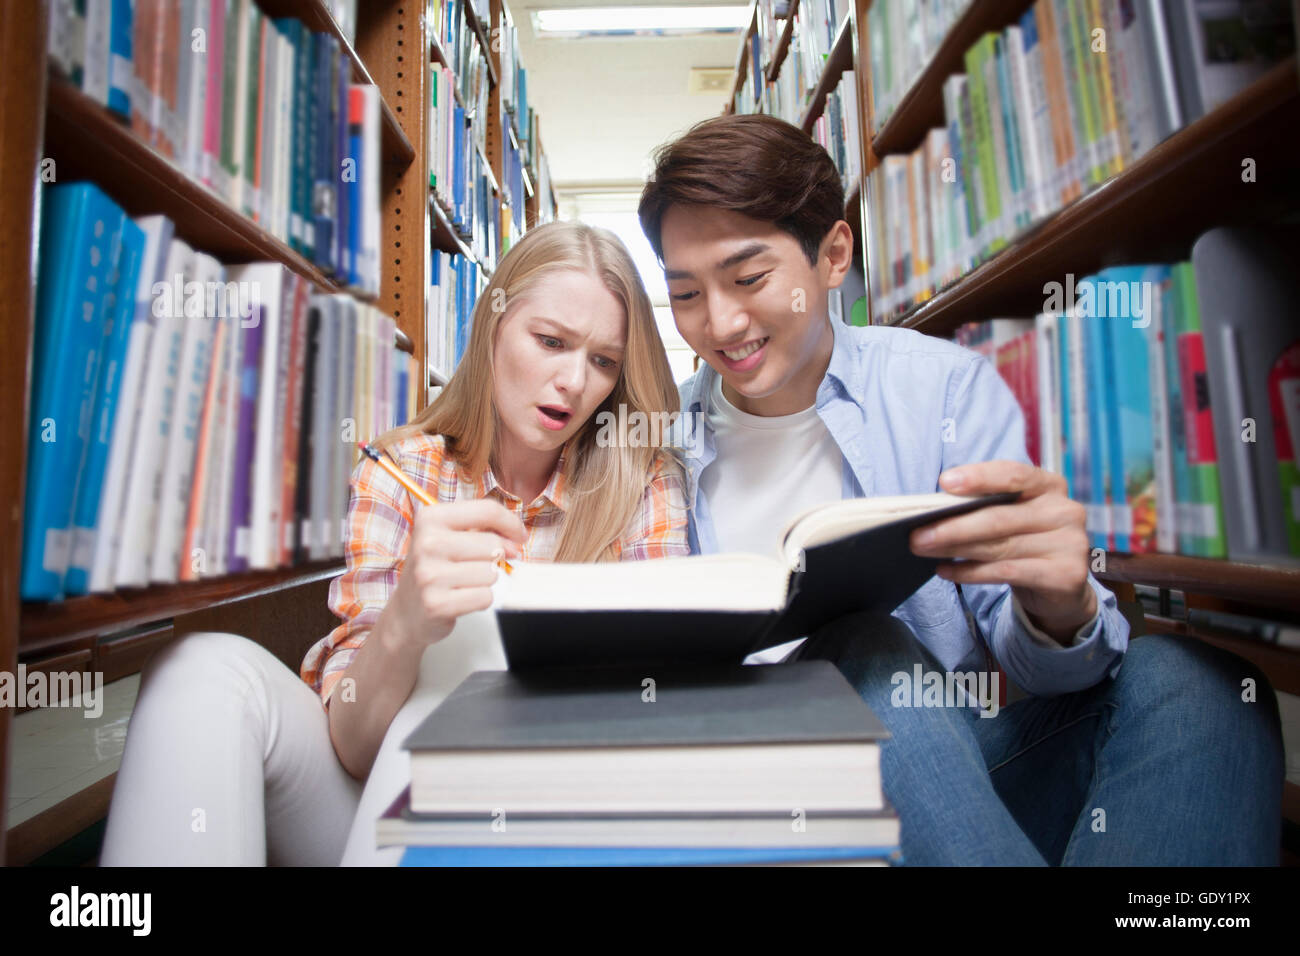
684	296
550	341
751	280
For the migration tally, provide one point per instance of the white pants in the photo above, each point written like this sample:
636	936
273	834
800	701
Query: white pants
228	758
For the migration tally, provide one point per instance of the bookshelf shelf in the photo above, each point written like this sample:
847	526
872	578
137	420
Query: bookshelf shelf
87	141
1276	586
446	239
839	60
742	58
921	107
96	614
481	31
1143	213
783	43
397	146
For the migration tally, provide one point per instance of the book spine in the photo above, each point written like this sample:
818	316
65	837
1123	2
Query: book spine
119	313
214	98
237	545
1205	508
193	558
1162	442
292	421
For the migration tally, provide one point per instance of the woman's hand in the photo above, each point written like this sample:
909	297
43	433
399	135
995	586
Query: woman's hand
450	568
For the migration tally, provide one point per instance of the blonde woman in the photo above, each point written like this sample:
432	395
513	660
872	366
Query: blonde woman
509	452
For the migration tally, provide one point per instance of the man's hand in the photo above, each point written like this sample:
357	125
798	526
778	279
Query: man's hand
1037	544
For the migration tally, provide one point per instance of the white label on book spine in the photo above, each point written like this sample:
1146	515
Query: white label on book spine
1123	518
54	557
288	536
241	541
83	547
307	541
122	73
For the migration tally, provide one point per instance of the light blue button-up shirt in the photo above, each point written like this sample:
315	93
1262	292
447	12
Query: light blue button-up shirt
904	407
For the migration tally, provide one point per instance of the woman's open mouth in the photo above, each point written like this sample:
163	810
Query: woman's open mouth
553	417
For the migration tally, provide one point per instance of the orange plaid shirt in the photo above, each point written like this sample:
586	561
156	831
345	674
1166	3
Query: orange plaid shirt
380	513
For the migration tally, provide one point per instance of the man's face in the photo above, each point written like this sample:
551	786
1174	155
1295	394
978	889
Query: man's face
746	300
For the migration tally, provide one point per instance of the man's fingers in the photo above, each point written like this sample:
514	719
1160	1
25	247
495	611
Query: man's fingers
992	477
1030	573
1013	548
949	538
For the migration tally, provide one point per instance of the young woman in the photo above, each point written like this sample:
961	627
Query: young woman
231	758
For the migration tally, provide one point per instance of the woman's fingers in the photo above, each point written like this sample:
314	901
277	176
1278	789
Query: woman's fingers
443	545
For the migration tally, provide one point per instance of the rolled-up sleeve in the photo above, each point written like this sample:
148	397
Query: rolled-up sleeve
989	426
378	529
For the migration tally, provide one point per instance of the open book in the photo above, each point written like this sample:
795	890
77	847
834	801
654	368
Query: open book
836	559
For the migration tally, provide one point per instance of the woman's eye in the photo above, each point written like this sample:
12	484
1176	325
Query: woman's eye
604	362
549	341
751	280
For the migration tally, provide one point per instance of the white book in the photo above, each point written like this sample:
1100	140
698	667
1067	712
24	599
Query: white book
158	232
244	38
141	500
370	198
187	413
284	139
276	466
267	282
195	102
99	24
1034	165
1047	331
216	519
199	561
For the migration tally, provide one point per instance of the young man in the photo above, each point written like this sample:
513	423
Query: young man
1150	753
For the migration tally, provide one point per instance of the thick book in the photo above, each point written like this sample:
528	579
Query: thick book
842	558
726	739
399	825
642	856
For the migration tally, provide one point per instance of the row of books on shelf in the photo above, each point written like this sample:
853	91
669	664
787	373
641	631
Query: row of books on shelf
458	171
514	86
730	766
903	37
1171	603
467	66
838	129
188	418
1047	110
453	289
513	194
261	111
812	37
1169	397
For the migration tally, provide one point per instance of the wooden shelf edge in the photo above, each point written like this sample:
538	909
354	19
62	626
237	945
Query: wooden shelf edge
32	838
96	614
1215	577
839	60
443	229
782	43
485	48
1178	152
742	57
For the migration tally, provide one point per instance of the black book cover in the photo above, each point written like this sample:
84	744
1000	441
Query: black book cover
302	494
803	702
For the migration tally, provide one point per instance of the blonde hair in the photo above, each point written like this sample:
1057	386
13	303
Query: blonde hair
605	481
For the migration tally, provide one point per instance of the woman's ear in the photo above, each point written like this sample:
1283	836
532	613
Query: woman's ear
837	250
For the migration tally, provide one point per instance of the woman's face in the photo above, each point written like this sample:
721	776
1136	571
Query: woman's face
558	354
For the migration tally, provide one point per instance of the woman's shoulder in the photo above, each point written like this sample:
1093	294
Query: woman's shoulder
423	457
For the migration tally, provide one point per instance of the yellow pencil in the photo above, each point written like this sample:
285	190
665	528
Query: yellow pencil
412	487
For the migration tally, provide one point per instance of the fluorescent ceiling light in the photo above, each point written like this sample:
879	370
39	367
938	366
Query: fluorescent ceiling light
614	21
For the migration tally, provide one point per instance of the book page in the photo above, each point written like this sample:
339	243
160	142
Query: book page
842	518
720	582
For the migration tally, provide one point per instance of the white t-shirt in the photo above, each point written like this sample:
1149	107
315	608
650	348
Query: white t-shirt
767	470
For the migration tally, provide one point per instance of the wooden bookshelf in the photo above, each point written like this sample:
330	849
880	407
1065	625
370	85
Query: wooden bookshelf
1281	664
481	30
839	60
44	116
1260	584
782	43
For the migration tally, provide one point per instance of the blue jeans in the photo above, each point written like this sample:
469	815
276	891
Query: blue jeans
1163	765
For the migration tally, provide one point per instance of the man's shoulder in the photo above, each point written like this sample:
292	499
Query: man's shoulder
878	342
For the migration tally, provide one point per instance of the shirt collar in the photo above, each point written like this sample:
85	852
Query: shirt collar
555	492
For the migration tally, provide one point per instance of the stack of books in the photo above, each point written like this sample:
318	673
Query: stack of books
646	766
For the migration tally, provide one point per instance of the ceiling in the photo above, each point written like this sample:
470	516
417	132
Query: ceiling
605	103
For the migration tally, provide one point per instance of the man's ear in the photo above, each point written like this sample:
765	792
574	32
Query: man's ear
837	253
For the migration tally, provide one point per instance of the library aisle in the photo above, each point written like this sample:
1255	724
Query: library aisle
1100	197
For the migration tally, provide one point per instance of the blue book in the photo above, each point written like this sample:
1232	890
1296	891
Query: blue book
241	482
636	856
1011	133
356	151
1129	426
342	254
80	236
121	75
1095	365
324	200
403	383
1063	411
117	334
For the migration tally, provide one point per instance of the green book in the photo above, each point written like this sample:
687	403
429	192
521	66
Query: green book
1085	80
251	204
229	100
1205	507
991	240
